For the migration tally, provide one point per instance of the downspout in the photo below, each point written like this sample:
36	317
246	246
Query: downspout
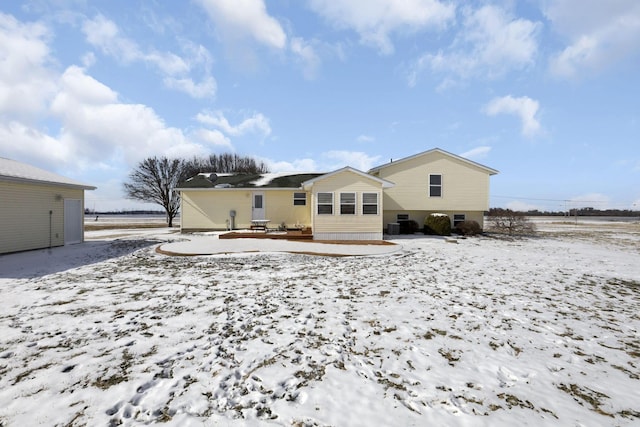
50	226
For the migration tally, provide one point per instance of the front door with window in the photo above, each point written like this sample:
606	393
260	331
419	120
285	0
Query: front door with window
258	205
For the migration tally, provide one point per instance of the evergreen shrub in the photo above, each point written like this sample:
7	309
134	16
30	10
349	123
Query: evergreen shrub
438	224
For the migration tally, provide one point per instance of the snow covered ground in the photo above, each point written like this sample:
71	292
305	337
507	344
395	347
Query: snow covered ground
485	331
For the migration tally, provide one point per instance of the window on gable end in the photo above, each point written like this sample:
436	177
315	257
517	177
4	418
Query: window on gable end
435	185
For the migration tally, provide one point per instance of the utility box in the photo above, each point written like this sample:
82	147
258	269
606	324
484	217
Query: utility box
393	228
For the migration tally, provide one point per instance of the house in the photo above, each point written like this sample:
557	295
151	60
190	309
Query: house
38	209
346	204
435	181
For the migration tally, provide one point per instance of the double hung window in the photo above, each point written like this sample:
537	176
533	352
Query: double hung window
347	203
435	185
299	199
369	203
325	203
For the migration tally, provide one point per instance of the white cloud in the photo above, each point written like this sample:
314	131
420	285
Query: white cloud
599	36
84	89
205	88
167	62
26	82
96	130
477	153
215	138
241	22
297	165
307	56
19	141
105	35
240	19
97	126
376	20
257	123
490	43
88	59
523	107
355	159
326	162
365	138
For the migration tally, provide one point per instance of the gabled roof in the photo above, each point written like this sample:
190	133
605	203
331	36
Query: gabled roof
11	170
383	182
265	180
489	170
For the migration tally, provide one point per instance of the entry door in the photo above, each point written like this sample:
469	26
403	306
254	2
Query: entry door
258	205
73	221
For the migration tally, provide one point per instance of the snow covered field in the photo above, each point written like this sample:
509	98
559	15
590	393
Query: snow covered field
541	331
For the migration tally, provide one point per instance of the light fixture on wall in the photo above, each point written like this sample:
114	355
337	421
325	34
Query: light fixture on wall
58	197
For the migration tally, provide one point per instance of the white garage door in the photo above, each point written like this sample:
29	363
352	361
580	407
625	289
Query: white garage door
73	221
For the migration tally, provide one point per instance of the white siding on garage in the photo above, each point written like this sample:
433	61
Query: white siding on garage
32	215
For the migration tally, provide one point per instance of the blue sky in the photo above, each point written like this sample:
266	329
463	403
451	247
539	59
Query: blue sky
547	92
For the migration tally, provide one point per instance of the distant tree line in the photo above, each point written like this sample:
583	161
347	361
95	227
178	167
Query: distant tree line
88	211
581	212
155	178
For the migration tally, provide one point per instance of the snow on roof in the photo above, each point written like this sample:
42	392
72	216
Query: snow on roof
210	180
11	170
266	178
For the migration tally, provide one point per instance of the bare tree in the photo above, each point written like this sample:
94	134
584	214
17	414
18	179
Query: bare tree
510	222
154	180
223	163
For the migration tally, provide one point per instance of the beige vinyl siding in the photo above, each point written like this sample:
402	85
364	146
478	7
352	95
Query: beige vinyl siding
209	209
356	226
24	215
280	209
464	187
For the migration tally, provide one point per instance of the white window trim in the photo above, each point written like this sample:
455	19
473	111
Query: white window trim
318	204
435	185
377	204
456	221
299	199
354	204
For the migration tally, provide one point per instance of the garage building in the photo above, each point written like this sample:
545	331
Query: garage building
38	209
